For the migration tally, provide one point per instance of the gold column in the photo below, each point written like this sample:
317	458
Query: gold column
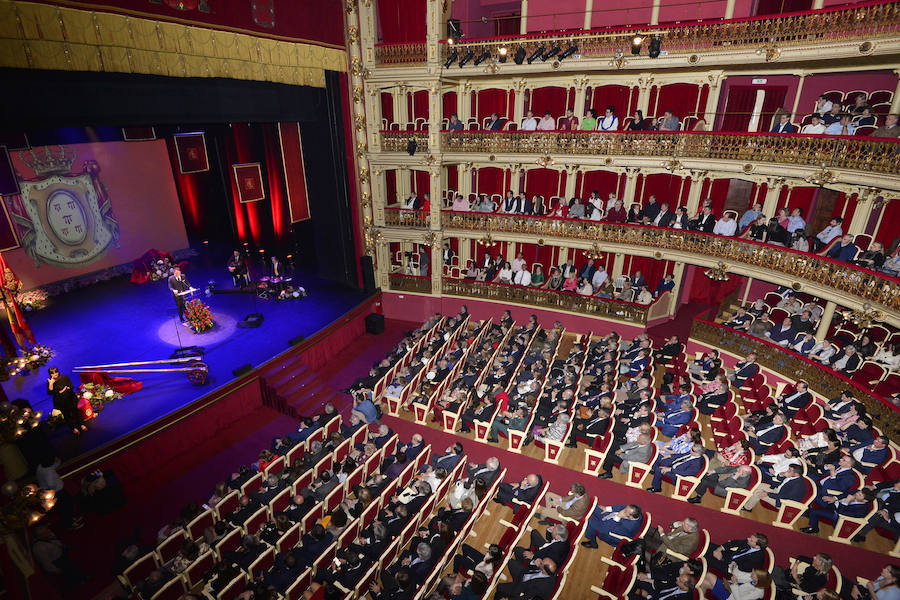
631	174
729	9
654	15
817	4
435	110
403	185
438	185
712	100
383	258
747	290
366	31
645	82
796	106
618	265
401	106
825	320
678	271
378	196
523	20
515	178
463	103
773	191
588	9
464	179
895	101
864	200
434	24
437	262
519	101
570	172
464	247
693	201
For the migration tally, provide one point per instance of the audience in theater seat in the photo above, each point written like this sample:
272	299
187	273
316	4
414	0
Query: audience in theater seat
790	486
824	105
529	123
784	125
609	122
546	123
607	522
890	129
668	122
815	127
833	115
495	123
454	124
842	127
569	122
589	123
725	225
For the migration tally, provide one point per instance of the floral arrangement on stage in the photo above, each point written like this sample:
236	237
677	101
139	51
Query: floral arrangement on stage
33	359
97	394
32	300
198	315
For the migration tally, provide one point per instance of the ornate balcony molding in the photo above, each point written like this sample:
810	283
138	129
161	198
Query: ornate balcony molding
610	309
397	141
849	31
821	380
829	279
400	282
399	217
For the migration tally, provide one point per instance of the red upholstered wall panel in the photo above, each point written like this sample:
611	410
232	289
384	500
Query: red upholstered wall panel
605	182
680	98
387	107
401	20
545	182
617	96
449	104
552	98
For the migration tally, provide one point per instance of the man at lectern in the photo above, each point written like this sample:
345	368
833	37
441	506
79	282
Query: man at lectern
178	285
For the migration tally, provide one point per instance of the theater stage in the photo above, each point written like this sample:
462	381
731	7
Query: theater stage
118	321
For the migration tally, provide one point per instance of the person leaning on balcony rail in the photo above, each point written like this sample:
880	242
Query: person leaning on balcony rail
454	124
609	122
758	230
823	105
799	241
841	127
529	123
667	122
890	129
815	126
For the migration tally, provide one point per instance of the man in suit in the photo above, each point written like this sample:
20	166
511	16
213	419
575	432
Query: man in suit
587	271
682	537
784	124
524	491
789	487
412	449
567	268
766	434
846	361
597	424
607	522
875	453
664	217
652	208
838	481
705	221
447	460
839	406
681	588
536	579
747	554
572	506
413	202
639	451
856	504
496	123
720	480
744	370
488	471
670	422
784	334
888	512
419	563
681	465
845	251
516	421
554	544
795	401
177	285
667	284
313	544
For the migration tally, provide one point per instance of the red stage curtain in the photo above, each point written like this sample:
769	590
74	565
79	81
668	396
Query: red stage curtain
887	229
237	150
545	182
449	104
491	180
552	98
418	105
775	95
390	186
493	100
402	20
680	98
274	173
387	108
618	96
651	268
738	108
420	182
802	198
605	182
704	289
665	186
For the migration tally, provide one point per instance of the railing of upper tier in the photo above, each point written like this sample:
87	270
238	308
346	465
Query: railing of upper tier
867	285
397	141
821	380
401	217
858	154
400	282
862	22
607	308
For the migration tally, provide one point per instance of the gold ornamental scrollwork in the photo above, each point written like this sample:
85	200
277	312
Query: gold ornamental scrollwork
352	34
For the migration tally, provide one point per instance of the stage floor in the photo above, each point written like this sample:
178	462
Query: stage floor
118	321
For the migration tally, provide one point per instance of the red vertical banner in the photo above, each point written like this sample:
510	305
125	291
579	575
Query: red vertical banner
294	173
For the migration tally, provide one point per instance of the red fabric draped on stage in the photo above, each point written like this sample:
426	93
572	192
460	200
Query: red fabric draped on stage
122	385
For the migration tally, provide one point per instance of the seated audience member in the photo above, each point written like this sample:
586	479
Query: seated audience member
546	123
740	321
569	122
890	129
609	121
667	122
807	575
524	491
744	370
885	587
888	356
796	221
778	233
572	506
682	537
795	401
766	434
845	251
854	504
784	334
740	585
607	522
833	115
888	515
789	487
638	451
536	579
873	258
859	105
538	279
454	124
726	225
842	127
705	221
750	216
589	123
460	204
638	123
846	361
761	326
720	480
495	123
529	123
815	126
824	237
784	125
799	241
683	465
865	118
742	555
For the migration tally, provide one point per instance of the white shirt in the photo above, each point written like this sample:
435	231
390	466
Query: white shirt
523	277
517	264
529	124
599	278
724	227
608	123
825	108
610	203
48	478
411	202
829	233
813	129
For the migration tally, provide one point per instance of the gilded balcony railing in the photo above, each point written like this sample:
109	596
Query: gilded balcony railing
400	217
411	53
858	154
615	310
398	141
409	283
868	286
821	380
862	22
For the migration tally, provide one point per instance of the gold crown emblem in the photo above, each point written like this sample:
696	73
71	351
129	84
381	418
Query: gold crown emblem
49	160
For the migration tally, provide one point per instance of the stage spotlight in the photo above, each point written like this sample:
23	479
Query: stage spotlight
653	47
451	59
482	57
502	52
569	52
450	41
536	54
469	55
551	53
520	56
636	42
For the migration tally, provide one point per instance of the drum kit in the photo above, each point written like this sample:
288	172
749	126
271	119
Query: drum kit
271	287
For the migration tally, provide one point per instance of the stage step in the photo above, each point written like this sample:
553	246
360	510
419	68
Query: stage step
287	386
288	368
298	391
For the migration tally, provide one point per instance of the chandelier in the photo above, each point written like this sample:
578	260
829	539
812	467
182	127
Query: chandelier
821	178
864	317
487	241
26	505
15	421
718	272
594	253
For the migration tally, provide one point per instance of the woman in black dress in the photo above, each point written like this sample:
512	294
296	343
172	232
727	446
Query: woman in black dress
65	400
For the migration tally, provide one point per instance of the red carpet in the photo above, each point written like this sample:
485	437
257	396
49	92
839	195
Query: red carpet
722	527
